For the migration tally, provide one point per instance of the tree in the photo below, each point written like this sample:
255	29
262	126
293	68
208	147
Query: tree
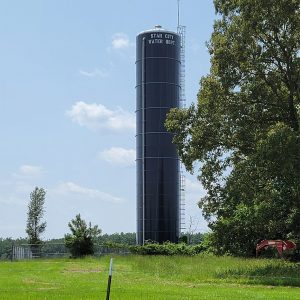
82	237
244	129
128	238
35	227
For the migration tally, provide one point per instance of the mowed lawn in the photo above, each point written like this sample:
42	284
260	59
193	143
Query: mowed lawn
151	277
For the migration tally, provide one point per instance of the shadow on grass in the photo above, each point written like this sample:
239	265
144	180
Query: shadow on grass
278	273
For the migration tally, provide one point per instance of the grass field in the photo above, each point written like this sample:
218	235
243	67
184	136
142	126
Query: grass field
154	277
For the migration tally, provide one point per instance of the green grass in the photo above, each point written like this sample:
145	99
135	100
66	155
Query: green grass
152	277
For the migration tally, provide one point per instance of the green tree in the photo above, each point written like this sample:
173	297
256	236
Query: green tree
35	227
128	238
82	237
244	129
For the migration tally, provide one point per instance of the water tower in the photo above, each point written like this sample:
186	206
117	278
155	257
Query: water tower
158	65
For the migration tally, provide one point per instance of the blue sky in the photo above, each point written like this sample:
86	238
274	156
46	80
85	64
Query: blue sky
67	100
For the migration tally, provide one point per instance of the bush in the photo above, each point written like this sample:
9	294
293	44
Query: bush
166	248
81	241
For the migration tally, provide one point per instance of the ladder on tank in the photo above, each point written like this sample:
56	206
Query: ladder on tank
182	201
182	104
181	31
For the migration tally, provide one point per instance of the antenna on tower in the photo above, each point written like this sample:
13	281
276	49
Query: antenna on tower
178	13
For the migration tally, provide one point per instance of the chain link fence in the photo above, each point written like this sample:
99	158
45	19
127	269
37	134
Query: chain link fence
56	250
32	251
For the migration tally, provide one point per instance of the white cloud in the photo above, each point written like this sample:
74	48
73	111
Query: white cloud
18	186
120	41
29	171
97	116
14	198
71	188
119	156
95	73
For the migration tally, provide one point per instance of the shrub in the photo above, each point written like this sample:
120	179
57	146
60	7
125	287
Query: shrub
167	248
82	237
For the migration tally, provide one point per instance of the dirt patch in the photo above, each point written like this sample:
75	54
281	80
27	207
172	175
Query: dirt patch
82	271
46	288
32	281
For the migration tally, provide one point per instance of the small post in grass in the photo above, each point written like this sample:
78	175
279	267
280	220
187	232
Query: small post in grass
109	279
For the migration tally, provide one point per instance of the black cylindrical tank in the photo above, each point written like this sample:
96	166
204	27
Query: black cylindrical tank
157	90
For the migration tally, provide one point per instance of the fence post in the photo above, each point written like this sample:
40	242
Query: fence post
12	250
109	279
